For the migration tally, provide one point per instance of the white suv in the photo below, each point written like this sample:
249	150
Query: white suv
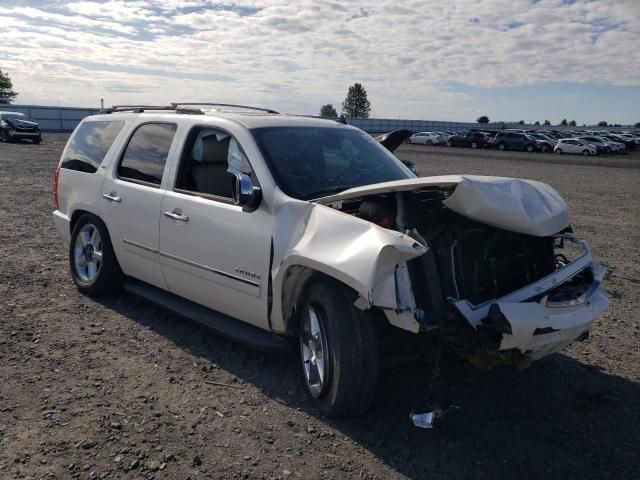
268	227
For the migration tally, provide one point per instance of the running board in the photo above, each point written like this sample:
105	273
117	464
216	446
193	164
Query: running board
229	327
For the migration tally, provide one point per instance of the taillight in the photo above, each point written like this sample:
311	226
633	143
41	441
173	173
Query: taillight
56	204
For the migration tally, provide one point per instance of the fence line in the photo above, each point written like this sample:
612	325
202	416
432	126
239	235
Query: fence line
65	119
52	118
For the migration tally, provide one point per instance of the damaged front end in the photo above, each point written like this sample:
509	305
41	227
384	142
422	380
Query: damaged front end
494	280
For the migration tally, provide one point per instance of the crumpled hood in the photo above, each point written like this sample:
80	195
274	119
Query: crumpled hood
523	206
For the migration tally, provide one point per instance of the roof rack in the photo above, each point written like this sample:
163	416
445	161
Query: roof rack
266	110
144	108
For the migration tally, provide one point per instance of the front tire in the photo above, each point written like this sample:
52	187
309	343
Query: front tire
529	148
37	141
338	349
429	142
585	153
4	136
559	151
501	146
92	261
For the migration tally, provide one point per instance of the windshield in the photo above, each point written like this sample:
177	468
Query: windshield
311	162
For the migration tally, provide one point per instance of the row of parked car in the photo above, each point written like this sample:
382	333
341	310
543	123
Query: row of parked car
584	142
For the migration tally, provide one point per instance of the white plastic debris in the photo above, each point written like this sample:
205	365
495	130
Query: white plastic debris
423	420
428	419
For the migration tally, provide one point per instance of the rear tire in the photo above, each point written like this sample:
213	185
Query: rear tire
585	153
529	148
339	350
429	142
92	261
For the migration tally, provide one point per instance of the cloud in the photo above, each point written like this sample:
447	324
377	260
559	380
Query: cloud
299	55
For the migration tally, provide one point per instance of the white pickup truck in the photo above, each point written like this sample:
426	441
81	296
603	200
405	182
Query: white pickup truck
270	228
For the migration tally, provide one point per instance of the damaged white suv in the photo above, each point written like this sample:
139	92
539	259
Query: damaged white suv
269	227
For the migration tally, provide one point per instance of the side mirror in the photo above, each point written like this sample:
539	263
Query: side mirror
244	193
411	166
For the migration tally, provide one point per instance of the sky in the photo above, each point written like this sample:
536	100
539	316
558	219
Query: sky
434	60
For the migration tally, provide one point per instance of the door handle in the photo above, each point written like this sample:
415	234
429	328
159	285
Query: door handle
176	215
112	197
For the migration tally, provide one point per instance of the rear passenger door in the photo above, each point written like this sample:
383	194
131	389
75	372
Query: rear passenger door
212	252
132	197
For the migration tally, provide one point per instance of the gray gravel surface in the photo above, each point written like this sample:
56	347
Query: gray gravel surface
117	388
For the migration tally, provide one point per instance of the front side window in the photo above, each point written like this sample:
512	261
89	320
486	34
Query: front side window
312	162
146	153
89	145
208	161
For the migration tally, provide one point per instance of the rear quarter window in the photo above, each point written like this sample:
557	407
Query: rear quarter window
89	145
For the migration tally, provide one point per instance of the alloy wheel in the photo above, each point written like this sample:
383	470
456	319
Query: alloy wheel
87	253
313	348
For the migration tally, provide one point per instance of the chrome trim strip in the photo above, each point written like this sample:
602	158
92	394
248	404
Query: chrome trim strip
143	247
193	264
209	269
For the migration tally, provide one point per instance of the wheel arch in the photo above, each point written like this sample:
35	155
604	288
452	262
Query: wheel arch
295	283
78	213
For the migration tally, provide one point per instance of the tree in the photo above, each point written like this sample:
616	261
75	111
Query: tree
356	105
564	122
483	119
572	123
602	123
636	125
328	111
521	122
547	122
6	88
537	123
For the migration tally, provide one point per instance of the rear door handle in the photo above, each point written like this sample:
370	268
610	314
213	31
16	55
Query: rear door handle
112	197
176	214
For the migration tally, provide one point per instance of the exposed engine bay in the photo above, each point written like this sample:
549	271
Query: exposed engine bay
471	262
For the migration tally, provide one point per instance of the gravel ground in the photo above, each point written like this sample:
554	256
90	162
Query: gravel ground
117	388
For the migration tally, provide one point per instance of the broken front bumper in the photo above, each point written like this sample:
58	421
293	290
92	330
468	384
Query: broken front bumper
531	324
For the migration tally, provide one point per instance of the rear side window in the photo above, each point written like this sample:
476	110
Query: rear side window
146	153
89	145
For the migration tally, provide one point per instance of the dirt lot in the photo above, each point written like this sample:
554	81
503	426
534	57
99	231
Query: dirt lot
116	388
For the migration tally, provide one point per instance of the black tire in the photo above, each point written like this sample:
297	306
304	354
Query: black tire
502	146
4	136
449	143
429	142
559	151
37	140
474	145
351	362
108	277
529	148
585	152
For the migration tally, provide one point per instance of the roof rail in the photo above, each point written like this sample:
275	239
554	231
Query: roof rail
143	108
266	110
340	119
